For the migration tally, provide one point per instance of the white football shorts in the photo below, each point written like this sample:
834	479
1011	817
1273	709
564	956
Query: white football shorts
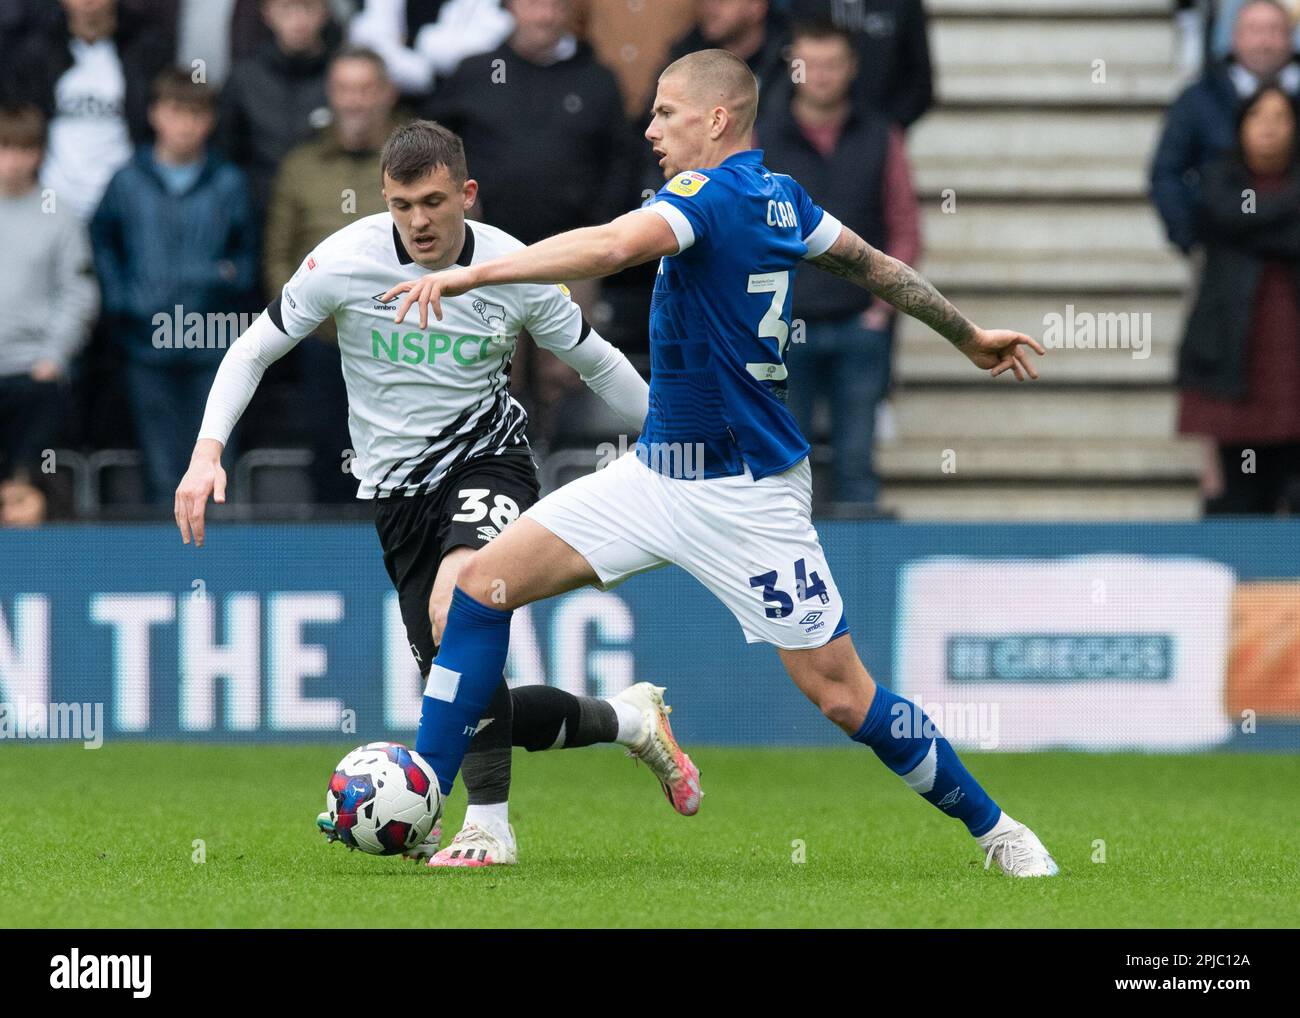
752	543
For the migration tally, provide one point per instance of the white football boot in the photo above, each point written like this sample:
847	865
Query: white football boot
478	846
1017	849
658	749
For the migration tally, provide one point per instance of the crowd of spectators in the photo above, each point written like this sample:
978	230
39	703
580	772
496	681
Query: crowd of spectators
164	161
167	158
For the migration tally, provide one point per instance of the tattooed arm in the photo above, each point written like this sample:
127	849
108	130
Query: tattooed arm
998	350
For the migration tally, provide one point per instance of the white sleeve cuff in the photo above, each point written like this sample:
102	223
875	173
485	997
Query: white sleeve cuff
611	377
675	218
826	234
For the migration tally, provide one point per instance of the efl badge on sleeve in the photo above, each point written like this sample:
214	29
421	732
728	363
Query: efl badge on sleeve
687	184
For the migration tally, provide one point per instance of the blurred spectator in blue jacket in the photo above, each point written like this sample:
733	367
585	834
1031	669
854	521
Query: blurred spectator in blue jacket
1200	126
176	244
421	40
47	288
89	73
851	160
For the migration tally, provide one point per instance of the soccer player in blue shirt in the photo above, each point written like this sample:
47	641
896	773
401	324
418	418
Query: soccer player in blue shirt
719	482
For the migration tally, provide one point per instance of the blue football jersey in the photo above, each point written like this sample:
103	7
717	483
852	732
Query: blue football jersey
720	320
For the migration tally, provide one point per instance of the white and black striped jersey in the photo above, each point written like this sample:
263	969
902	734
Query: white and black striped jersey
420	402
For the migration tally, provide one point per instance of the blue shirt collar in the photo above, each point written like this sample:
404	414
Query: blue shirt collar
753	155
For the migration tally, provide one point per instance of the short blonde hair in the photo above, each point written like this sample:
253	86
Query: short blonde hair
715	77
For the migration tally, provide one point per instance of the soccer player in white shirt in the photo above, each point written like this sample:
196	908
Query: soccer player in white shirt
440	449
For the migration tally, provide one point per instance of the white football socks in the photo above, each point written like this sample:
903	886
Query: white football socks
630	722
494	818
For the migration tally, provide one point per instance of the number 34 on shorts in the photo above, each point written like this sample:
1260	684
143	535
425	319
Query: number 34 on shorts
781	603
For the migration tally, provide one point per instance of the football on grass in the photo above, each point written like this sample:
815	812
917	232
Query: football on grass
383	799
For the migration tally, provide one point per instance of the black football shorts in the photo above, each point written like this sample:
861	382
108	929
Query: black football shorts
472	504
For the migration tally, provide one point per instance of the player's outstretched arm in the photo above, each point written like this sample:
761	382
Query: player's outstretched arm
586	253
237	379
996	350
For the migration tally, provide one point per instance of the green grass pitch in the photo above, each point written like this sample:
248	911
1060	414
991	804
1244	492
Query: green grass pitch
106	838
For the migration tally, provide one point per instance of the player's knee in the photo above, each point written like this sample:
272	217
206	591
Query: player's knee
482	582
844	702
841	708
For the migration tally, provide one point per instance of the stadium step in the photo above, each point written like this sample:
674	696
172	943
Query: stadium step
1049	246
1055	60
1095	271
1056	154
1008	409
953	461
1048	166
924	357
1095	230
1037	502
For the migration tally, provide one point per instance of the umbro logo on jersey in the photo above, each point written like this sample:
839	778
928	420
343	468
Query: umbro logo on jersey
380	305
486	533
493	314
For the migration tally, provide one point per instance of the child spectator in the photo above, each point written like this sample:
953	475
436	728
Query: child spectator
48	291
175	244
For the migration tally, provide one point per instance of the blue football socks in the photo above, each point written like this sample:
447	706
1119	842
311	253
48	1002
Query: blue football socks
464	676
906	740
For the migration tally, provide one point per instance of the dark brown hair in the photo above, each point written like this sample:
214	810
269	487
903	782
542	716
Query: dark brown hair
175	85
416	149
22	127
1249	104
